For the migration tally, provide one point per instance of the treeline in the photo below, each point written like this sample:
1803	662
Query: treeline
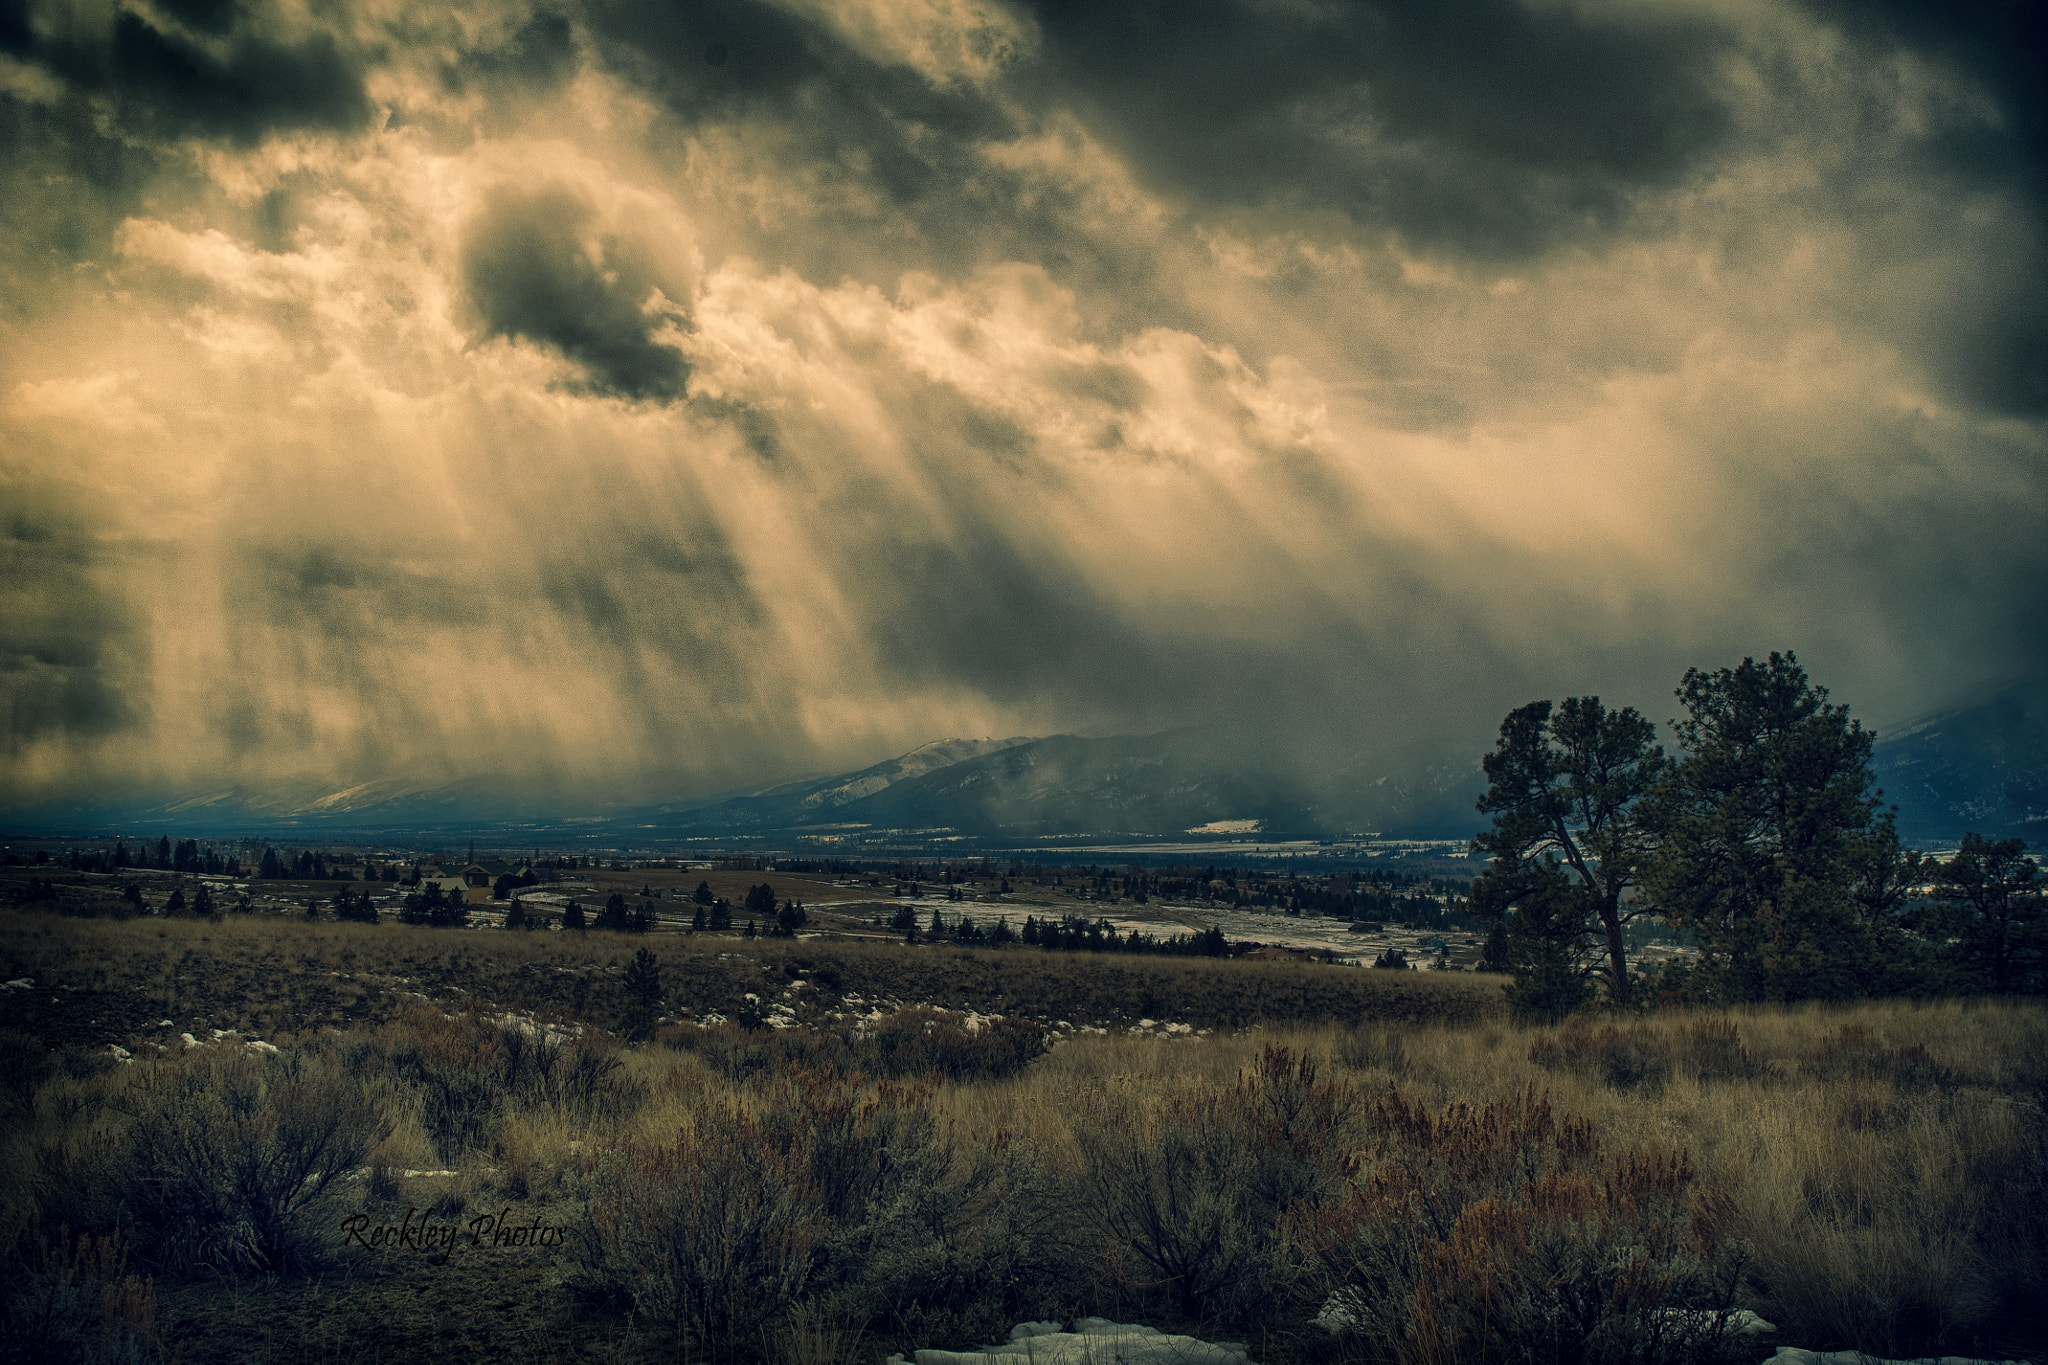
1764	838
1071	933
186	855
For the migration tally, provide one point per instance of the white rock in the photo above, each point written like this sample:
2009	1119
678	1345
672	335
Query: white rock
189	1040
1093	1341
1793	1355
258	1045
20	983
121	1054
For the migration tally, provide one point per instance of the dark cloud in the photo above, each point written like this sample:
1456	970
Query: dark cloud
538	55
62	631
1991	347
1337	374
532	274
1481	126
209	70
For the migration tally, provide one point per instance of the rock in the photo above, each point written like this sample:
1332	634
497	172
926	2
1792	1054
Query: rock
1093	1340
1793	1355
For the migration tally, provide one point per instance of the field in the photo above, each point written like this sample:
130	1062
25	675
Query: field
449	1150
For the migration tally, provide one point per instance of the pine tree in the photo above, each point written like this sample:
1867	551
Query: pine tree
572	916
643	979
1567	790
1991	900
1769	823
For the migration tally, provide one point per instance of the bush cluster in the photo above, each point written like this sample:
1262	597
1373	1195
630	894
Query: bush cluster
917	1041
816	1196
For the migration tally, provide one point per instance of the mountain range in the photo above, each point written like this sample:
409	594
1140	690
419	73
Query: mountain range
1980	766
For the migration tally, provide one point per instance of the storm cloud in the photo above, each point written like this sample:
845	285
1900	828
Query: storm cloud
658	398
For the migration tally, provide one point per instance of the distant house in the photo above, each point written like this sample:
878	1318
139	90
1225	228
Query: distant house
477	875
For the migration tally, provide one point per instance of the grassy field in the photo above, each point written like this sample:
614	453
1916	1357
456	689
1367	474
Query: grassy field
101	981
877	1178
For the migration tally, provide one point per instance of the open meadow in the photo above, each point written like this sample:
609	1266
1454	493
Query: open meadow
823	1150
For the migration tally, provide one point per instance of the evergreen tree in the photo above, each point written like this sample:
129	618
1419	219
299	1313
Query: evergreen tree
614	915
572	916
760	903
703	894
1768	823
163	853
643	979
176	904
1990	899
1567	787
698	920
515	915
721	914
454	912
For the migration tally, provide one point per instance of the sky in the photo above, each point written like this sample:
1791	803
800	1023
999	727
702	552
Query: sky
628	397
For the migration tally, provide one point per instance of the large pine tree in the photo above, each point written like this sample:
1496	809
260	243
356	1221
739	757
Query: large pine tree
1774	847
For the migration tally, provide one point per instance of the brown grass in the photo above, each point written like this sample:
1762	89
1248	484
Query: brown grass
1878	1175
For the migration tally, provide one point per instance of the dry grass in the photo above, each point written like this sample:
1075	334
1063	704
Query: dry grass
105	981
1878	1174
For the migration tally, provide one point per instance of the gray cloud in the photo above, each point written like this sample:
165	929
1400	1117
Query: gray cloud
210	68
534	272
62	630
1485	127
1339	375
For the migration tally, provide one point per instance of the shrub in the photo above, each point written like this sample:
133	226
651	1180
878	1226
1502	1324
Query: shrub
816	1198
231	1161
1856	1052
467	1071
1712	1050
72	1299
1637	1057
1501	1233
921	1041
1192	1187
1370	1049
